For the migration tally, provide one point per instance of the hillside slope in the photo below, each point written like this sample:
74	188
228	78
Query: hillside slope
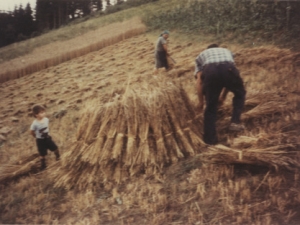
58	52
251	178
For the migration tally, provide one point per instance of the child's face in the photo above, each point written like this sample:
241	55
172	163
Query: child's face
41	115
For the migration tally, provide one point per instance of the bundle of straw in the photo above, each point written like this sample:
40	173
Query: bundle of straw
266	103
28	165
273	157
142	130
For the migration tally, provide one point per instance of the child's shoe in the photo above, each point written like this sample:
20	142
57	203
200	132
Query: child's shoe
57	156
43	164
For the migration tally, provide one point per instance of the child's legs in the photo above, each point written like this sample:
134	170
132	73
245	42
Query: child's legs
42	147
52	147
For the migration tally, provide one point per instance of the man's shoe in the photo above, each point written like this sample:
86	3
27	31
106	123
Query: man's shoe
236	127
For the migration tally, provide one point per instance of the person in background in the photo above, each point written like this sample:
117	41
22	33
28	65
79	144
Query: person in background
161	52
39	129
215	72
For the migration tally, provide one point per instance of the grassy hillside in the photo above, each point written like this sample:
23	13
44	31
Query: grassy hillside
58	52
77	28
233	20
250	23
246	22
131	142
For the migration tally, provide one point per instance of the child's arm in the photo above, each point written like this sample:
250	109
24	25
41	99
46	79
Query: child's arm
32	129
32	133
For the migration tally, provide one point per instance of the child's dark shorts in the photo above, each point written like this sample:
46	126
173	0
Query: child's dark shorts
44	144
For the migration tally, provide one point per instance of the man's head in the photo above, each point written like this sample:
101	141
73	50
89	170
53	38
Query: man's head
38	111
213	46
165	34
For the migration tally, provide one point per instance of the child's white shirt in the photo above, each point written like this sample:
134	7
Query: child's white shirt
41	128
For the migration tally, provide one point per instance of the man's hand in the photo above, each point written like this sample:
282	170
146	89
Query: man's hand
221	101
199	108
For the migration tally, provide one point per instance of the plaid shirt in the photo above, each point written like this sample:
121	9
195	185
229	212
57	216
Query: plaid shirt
212	55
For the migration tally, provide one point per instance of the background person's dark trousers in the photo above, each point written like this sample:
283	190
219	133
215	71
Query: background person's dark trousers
214	78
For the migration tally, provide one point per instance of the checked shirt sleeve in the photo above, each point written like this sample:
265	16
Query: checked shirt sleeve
198	65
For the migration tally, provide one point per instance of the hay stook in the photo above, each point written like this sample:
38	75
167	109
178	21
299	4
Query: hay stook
137	130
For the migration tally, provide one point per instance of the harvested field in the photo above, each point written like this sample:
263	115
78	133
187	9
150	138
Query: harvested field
60	52
131	142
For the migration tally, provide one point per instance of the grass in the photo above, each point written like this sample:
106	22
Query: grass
59	52
75	29
245	21
187	17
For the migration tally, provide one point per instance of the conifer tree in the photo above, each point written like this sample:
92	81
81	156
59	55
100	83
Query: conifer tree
28	21
99	4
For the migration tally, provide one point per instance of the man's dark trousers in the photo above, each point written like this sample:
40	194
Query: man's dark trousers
215	77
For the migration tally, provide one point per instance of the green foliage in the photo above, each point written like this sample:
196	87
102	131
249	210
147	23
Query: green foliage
134	3
240	20
78	27
268	20
126	5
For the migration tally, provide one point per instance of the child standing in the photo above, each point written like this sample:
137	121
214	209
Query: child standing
40	130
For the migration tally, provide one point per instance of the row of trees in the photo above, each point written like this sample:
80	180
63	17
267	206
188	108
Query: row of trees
23	23
16	25
52	14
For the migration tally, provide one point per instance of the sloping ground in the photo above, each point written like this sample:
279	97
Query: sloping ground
252	178
61	51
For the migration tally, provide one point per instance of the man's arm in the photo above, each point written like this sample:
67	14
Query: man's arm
200	91
198	66
166	49
197	74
